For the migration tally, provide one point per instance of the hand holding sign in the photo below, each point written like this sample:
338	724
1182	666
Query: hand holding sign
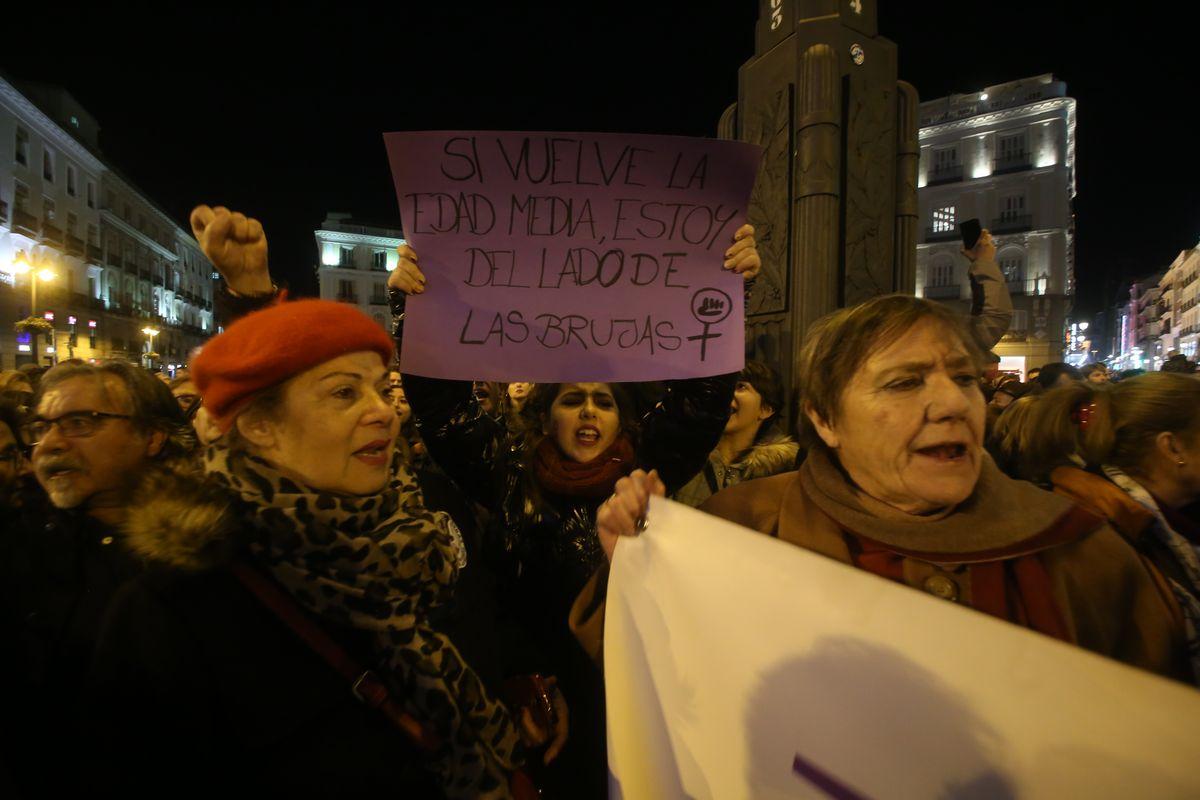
572	256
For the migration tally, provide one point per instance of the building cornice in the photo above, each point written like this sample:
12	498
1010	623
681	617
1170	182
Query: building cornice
107	216
992	118
162	216
340	237
21	106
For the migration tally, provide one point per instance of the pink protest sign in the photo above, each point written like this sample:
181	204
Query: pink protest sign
572	256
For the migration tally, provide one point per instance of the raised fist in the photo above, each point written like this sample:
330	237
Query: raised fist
237	247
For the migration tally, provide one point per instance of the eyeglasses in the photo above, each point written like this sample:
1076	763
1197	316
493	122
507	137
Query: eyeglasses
74	424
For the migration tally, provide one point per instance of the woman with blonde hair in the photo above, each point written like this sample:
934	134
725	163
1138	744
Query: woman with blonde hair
1129	451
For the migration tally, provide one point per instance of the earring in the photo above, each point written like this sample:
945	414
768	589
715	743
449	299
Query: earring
1181	462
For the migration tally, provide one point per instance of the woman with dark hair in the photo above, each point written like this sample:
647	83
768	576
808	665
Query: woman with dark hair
542	487
752	444
1131	453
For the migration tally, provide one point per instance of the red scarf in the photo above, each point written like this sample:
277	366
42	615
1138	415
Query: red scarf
593	479
1017	590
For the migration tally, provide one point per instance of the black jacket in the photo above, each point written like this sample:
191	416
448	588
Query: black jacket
216	696
58	571
194	671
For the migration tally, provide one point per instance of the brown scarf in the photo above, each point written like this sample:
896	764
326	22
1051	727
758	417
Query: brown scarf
593	479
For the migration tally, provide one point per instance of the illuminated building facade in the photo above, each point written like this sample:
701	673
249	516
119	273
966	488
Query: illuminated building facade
1180	315
353	262
106	261
1005	156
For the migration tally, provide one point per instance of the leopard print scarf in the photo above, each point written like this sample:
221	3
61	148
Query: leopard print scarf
379	564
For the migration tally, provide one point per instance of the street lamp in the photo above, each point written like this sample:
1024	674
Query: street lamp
150	334
21	266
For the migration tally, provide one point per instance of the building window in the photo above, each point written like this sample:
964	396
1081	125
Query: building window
93	236
379	260
91	195
20	196
1012	208
1011	151
941	274
347	257
48	164
943	219
21	147
945	159
48	209
72	223
72	181
346	291
1020	321
379	294
1012	264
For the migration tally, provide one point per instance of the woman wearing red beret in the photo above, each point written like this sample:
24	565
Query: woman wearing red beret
302	570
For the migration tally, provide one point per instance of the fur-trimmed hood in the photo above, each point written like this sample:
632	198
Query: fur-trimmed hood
776	453
179	518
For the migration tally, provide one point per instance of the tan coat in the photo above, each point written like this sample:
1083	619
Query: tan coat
1111	601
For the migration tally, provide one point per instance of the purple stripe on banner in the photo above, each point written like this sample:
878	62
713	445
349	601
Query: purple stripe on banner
824	781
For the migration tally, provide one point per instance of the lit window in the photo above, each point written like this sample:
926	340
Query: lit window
943	219
21	148
1012	264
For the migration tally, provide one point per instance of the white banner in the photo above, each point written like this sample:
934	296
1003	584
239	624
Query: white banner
738	666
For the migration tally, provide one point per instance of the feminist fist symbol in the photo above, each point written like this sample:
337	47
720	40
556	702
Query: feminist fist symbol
709	307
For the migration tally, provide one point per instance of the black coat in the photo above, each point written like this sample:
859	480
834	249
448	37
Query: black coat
195	671
59	570
544	547
198	686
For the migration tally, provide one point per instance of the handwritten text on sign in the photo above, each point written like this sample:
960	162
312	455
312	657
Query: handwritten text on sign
554	256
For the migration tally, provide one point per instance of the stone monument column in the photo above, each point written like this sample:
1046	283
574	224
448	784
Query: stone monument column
835	204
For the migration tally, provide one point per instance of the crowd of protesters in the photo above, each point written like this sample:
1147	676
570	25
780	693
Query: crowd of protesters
295	569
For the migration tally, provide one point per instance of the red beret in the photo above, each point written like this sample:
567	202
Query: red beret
267	347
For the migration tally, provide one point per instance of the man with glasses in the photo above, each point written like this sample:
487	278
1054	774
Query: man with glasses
95	431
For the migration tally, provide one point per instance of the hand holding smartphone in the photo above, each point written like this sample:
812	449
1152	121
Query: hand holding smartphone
970	230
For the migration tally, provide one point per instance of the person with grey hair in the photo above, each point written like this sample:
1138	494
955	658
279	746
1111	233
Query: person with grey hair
95	432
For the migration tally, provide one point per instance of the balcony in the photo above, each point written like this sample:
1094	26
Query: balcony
1012	223
75	246
51	233
937	177
952	292
347	298
94	254
1018	162
947	235
24	222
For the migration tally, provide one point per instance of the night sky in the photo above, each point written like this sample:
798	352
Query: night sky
279	110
